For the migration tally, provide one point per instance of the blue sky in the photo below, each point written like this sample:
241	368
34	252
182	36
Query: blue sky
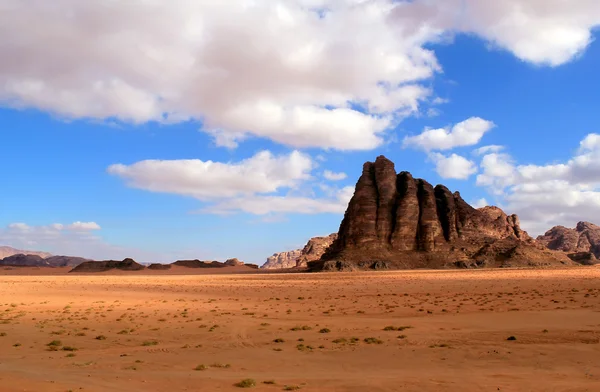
107	130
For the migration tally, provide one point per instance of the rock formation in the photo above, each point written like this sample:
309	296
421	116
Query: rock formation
233	262
21	260
6	251
583	239
313	250
397	221
101	266
159	267
282	260
198	264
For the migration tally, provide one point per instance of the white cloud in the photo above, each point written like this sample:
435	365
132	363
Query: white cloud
453	166
548	195
488	149
332	176
206	180
479	203
253	185
262	205
83	226
543	32
291	71
465	133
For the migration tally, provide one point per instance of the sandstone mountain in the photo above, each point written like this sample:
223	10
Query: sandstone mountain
282	260
313	250
6	251
396	221
101	266
582	244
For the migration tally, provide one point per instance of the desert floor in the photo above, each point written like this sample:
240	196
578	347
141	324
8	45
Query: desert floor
379	331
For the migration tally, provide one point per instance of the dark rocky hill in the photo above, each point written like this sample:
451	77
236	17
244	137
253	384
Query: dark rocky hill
396	221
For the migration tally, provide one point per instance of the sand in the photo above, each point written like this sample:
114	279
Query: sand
447	331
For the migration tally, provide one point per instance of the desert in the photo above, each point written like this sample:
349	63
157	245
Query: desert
358	331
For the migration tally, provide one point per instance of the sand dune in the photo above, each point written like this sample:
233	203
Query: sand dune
378	331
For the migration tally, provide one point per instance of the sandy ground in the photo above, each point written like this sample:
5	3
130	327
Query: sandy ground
447	331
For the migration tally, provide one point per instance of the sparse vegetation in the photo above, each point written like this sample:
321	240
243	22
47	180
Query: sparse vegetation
247	383
373	341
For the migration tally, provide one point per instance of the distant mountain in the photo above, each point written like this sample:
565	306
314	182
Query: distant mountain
6	251
313	250
582	244
106	265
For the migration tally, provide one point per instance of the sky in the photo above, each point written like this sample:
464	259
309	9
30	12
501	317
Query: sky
168	130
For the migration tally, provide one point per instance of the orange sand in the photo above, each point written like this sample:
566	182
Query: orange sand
159	327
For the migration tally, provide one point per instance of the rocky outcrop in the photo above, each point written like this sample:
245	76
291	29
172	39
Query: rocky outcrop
397	221
6	251
21	260
583	258
159	267
198	264
282	260
107	265
585	237
314	249
233	262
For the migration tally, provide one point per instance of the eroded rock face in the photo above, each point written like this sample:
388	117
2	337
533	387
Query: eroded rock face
397	221
314	249
282	260
585	237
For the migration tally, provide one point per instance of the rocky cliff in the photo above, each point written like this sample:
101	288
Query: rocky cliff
313	250
282	260
397	221
582	244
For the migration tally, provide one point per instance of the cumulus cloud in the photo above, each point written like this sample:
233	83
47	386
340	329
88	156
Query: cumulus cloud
542	32
332	176
453	166
465	133
548	195
205	180
262	205
253	185
305	73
